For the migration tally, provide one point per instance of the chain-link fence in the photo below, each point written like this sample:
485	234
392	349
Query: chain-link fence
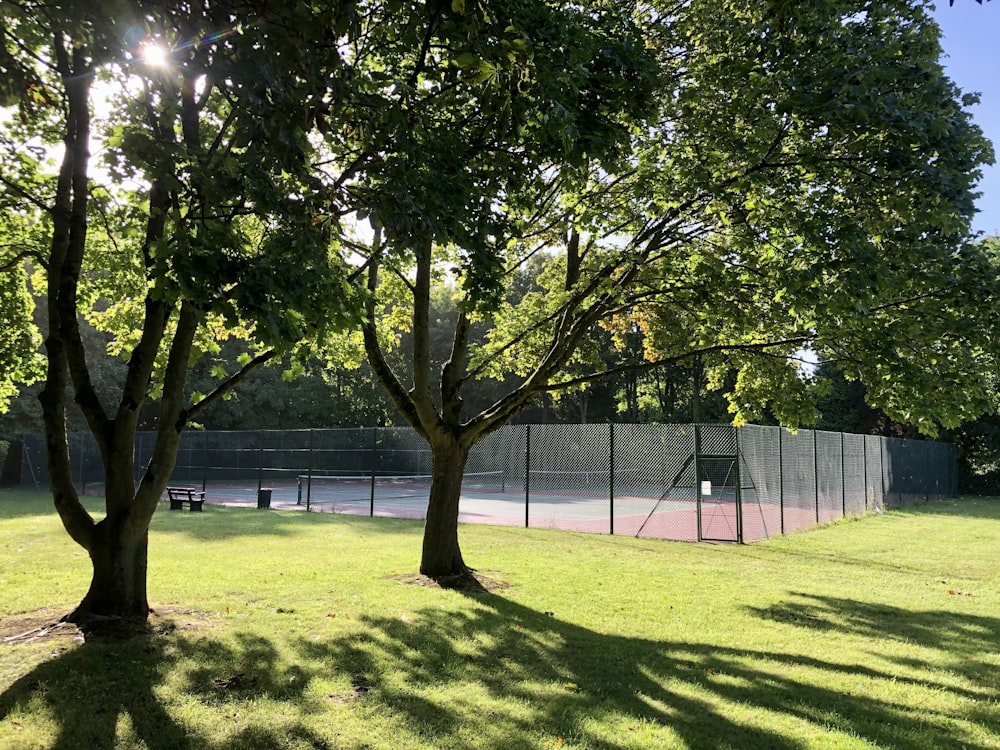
681	482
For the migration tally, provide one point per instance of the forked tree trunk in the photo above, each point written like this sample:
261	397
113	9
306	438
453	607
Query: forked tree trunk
118	586
118	543
441	556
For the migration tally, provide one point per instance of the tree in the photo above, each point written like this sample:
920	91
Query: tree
804	181
19	364
489	97
978	440
206	217
19	361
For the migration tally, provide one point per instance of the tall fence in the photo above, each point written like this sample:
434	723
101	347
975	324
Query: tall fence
681	482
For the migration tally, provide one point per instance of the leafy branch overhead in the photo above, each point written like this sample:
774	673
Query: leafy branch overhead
793	189
760	185
202	217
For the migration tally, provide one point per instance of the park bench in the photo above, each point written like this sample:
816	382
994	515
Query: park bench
180	495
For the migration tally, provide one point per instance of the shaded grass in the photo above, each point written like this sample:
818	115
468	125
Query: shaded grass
288	630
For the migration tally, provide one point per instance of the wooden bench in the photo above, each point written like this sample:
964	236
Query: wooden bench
180	495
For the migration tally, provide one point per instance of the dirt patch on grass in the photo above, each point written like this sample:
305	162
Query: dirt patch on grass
48	624
34	627
472	582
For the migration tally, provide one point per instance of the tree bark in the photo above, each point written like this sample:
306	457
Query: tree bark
441	555
118	585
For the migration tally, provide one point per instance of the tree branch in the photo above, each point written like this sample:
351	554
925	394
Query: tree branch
420	395
22	256
647	366
63	264
40	205
227	385
376	358
168	433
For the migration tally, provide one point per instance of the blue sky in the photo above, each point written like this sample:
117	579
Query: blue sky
971	34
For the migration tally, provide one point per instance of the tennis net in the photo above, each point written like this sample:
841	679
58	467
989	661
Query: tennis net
359	488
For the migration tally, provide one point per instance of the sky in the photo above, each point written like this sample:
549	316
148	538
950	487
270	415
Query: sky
971	34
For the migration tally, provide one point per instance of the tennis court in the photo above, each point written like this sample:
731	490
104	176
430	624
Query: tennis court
668	481
486	500
489	498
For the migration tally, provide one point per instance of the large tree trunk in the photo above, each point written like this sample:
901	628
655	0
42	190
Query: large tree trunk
118	586
441	556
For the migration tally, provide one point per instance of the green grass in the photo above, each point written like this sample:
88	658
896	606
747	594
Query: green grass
289	630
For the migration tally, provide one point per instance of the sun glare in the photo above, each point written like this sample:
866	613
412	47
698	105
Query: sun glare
155	54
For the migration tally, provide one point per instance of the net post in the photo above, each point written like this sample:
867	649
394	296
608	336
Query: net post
27	460
527	472
611	479
136	460
83	481
204	462
309	471
260	461
371	496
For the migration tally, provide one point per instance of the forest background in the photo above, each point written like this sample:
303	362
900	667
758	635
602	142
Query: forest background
324	396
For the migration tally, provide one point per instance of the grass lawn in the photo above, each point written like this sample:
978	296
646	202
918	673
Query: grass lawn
295	630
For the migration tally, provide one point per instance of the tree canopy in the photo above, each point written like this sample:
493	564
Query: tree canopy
200	218
799	179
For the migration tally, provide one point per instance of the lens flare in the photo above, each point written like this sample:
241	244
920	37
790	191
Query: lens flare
155	54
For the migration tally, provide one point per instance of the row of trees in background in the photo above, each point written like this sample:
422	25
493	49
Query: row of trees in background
498	205
325	394
331	394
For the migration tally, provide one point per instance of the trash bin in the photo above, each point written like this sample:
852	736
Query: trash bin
263	498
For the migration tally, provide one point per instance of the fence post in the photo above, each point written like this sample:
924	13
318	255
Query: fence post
781	477
816	474
883	488
371	498
611	478
739	489
952	470
696	450
864	446
843	479
527	472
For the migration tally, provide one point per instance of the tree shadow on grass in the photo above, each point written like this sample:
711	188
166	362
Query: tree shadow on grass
499	674
964	638
567	681
87	689
215	521
986	508
103	693
219	522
